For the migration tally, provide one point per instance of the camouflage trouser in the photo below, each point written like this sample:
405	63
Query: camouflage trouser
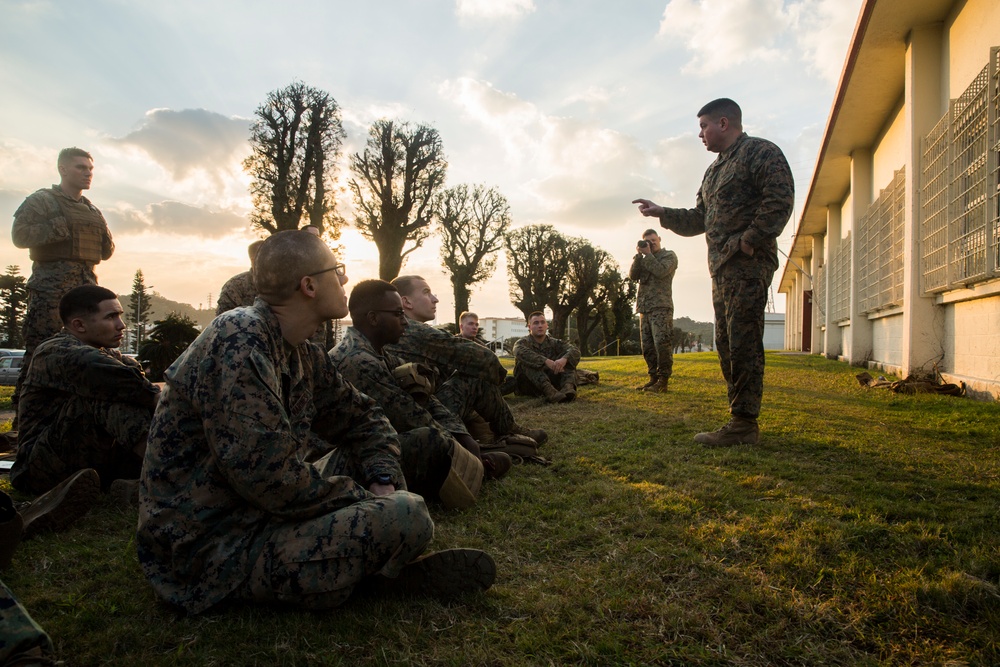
531	380
656	334
739	294
48	283
317	563
464	395
110	437
18	631
426	459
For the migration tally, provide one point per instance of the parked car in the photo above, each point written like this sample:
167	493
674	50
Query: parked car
10	366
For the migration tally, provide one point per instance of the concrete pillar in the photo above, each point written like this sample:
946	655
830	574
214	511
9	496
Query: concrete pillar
818	309
861	200
922	108
832	344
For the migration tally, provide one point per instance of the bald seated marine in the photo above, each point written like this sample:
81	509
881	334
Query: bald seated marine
269	478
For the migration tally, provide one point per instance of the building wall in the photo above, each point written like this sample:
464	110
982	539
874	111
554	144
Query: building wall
972	339
774	331
890	151
887	341
970	31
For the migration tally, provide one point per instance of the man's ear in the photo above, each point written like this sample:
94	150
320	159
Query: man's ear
407	304
723	123
307	285
77	325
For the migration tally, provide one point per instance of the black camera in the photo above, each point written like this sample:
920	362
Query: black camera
643	243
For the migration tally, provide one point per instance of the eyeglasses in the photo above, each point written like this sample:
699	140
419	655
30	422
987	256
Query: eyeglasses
341	270
400	313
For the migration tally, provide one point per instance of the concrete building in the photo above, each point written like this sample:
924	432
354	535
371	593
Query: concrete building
896	259
774	331
499	329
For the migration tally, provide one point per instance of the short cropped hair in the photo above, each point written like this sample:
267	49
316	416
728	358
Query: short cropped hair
650	231
83	300
365	295
67	154
283	260
723	107
535	313
467	315
406	284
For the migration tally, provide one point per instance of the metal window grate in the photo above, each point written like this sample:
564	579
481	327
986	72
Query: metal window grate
959	199
840	282
880	248
819	295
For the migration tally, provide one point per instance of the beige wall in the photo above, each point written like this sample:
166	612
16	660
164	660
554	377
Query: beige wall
889	154
887	340
846	216
968	38
972	339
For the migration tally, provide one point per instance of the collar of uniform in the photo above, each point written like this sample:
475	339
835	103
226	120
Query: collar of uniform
724	155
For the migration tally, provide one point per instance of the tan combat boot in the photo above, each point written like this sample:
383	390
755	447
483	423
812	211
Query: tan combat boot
739	431
652	381
658	387
551	394
536	434
570	390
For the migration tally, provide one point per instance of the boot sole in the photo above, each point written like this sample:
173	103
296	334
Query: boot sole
60	507
448	574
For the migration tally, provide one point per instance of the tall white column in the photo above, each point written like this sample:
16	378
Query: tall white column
861	200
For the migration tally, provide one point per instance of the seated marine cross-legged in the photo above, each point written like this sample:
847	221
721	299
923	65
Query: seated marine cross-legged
543	365
268	477
83	405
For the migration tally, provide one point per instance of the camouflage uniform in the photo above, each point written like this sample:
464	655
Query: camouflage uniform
19	633
66	238
748	194
655	305
530	370
81	407
371	373
470	373
238	291
255	481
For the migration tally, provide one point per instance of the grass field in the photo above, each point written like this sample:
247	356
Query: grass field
863	530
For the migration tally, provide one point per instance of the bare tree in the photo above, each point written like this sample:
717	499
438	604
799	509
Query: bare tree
588	269
617	309
394	183
295	142
578	280
536	266
472	226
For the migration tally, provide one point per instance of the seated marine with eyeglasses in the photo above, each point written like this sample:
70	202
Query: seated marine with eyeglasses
378	320
268	477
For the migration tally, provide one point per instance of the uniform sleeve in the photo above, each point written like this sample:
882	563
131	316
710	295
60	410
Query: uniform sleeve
661	267
773	177
452	355
571	353
635	271
526	355
226	301
685	221
107	243
36	223
89	372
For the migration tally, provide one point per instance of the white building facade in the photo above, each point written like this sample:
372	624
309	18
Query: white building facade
896	259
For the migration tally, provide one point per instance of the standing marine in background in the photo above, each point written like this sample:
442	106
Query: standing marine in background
654	267
66	237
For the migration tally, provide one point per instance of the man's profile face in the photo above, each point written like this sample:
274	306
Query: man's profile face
712	131
654	242
331	293
420	303
104	328
390	325
76	173
538	326
469	327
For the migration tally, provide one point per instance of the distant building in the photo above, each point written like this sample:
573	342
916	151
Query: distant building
895	262
774	331
498	329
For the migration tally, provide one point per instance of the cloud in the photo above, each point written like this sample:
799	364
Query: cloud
493	9
723	33
174	218
191	139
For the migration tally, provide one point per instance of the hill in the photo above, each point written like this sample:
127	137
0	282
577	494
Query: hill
704	329
161	307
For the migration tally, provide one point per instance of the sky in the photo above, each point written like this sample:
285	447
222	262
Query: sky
571	108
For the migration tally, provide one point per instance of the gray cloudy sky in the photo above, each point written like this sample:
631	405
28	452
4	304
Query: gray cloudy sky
571	108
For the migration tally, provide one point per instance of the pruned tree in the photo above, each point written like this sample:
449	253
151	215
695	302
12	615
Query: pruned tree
583	264
472	224
13	301
168	339
295	143
139	305
617	309
587	271
536	266
395	180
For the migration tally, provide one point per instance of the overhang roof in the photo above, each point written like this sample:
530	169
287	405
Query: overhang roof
871	85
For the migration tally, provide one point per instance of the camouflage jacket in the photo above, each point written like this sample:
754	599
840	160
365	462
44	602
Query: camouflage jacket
46	219
242	415
655	273
478	339
64	366
530	353
446	353
747	193
238	291
362	366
